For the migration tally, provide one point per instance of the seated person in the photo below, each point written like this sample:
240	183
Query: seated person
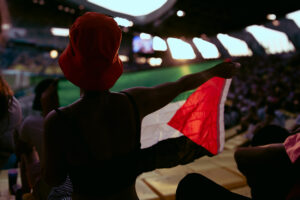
249	120
272	172
30	140
10	120
270	117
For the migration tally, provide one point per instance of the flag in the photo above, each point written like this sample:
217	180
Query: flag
201	117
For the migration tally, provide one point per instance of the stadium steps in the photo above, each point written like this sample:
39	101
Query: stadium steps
221	169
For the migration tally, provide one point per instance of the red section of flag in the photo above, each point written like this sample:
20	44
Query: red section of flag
198	118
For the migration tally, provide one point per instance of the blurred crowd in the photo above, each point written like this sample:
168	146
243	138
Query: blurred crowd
266	89
29	59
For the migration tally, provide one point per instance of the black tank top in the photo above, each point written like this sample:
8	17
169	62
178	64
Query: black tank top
105	177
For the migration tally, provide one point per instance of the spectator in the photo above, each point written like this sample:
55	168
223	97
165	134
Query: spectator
97	138
30	141
249	120
30	145
10	119
272	172
269	118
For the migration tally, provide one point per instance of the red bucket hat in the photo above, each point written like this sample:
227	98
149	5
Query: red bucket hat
91	59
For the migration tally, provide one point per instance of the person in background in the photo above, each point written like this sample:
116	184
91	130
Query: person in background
96	140
31	131
30	139
30	145
10	120
271	116
249	120
272	171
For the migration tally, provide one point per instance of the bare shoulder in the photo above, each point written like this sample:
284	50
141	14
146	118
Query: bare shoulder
140	95
121	99
53	124
138	91
51	118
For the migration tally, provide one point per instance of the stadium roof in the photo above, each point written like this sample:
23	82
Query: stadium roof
200	17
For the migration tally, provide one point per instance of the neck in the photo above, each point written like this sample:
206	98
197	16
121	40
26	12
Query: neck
88	94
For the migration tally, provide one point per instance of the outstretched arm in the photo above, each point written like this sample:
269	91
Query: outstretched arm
151	99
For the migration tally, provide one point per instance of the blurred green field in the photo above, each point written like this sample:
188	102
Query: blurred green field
68	93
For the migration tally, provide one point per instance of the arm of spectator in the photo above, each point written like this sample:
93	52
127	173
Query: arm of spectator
24	180
54	170
151	99
23	144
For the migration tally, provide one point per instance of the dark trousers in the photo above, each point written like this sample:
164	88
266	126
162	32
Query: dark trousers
195	186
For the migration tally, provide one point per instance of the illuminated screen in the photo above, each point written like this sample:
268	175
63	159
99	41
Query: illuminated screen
142	45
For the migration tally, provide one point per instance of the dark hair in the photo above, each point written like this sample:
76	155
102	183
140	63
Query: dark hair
6	95
39	89
269	134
